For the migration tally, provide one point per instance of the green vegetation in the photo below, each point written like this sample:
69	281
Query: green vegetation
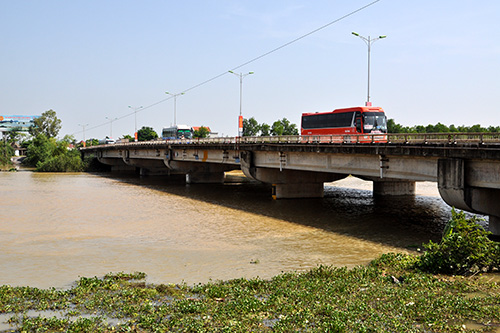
6	152
393	127
201	133
47	124
45	153
280	127
464	249
392	294
146	133
50	155
128	137
10	139
91	142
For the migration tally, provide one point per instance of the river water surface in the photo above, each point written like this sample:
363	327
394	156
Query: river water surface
57	227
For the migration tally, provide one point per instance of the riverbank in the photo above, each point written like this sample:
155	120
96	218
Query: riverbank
383	296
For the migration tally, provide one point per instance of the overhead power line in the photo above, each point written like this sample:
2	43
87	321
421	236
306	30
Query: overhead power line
247	62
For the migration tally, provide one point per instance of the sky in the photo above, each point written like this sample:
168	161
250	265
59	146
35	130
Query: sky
94	61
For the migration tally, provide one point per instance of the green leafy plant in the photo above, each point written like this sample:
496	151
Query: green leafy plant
202	132
6	152
146	133
49	155
464	249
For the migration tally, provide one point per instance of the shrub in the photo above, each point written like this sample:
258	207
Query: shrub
464	249
6	152
69	161
49	155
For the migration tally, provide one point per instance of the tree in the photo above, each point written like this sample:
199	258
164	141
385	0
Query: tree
265	129
6	152
393	127
14	135
277	128
49	155
146	133
128	137
250	127
91	142
70	139
47	124
40	149
201	133
284	127
476	129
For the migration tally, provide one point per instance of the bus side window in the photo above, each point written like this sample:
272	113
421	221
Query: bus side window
358	125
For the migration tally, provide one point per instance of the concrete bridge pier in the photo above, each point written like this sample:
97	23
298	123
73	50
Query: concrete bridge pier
393	187
148	167
151	171
117	165
453	184
200	173
494	224
288	183
390	186
298	190
205	177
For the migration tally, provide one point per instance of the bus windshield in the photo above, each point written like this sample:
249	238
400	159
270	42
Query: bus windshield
375	122
184	133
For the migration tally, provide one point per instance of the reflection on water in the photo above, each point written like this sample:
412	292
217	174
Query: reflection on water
57	227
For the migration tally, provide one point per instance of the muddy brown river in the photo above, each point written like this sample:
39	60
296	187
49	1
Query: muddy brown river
56	227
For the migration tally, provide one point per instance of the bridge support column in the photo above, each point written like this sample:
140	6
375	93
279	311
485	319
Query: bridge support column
307	190
122	169
288	183
205	177
455	191
117	165
494	225
154	172
200	173
393	187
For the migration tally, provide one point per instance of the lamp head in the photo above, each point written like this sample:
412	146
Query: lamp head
355	33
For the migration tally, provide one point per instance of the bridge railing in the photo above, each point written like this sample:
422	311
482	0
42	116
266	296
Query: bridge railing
443	138
397	138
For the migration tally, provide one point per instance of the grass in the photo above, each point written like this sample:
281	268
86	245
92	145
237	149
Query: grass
387	295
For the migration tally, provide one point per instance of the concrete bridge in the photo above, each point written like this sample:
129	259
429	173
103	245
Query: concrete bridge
465	166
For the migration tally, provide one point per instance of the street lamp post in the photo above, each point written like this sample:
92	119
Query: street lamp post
240	119
83	126
175	104
369	41
135	116
111	126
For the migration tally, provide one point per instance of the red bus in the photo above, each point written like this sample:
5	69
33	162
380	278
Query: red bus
355	120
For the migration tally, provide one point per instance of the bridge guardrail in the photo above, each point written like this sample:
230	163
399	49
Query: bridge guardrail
396	138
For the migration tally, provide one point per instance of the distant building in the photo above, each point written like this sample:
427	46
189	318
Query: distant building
18	150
